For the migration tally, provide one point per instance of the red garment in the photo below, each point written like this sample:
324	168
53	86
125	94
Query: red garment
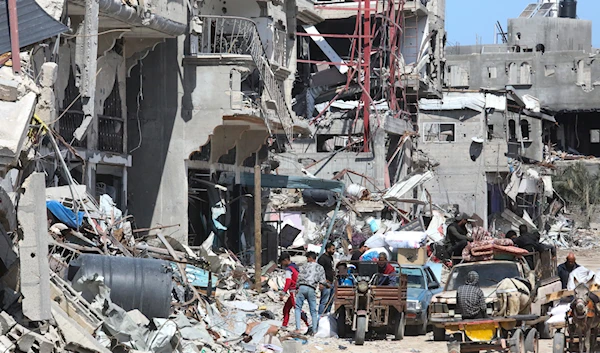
289	305
291	277
388	269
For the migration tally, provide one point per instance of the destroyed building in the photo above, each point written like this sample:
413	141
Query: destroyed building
546	53
359	96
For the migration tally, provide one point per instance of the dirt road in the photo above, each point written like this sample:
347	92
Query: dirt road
425	344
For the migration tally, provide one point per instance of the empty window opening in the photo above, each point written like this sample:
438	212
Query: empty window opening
525	77
512	130
439	132
540	48
595	136
490	131
524	129
492	72
512	73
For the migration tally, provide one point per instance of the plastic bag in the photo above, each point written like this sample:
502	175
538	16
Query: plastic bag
327	327
405	240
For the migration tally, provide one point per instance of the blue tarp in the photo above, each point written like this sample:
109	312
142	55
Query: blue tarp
65	215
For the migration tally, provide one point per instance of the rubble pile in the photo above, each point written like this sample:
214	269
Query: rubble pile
77	276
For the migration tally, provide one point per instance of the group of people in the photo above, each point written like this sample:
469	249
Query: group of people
301	283
457	237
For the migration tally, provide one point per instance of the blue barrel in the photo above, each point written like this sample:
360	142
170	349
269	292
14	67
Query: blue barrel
135	283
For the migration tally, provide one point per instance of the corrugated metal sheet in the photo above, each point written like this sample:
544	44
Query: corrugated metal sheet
35	24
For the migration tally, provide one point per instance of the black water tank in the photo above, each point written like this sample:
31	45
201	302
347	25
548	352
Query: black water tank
134	283
567	9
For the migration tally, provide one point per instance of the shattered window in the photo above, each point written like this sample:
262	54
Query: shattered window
595	136
439	132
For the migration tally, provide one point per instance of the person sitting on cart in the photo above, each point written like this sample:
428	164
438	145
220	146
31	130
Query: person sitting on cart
565	269
457	235
344	278
385	269
470	301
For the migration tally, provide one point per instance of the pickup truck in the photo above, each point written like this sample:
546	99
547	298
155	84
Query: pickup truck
422	286
544	279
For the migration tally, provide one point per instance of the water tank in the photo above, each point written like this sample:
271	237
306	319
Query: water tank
135	283
567	9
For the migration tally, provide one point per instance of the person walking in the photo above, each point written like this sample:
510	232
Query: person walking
291	283
310	277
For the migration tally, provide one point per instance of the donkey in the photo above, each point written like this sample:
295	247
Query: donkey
585	312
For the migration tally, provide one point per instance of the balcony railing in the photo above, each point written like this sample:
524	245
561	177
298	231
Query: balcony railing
110	131
238	35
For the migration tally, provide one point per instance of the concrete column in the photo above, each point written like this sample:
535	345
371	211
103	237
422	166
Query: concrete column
33	257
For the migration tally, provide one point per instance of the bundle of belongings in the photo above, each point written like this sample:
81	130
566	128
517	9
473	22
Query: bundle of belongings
484	246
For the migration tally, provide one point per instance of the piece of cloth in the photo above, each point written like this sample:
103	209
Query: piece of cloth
356	254
311	274
309	294
326	300
326	261
65	215
470	300
564	272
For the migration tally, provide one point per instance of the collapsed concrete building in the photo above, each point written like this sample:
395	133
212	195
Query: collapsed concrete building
359	97
543	75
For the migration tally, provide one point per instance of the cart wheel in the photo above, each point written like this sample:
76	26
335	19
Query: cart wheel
545	331
439	334
517	342
400	326
341	322
361	330
558	343
532	341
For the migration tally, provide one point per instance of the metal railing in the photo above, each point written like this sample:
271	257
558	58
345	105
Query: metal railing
110	134
238	35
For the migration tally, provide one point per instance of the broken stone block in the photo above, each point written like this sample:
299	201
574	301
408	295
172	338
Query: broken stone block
6	323
9	90
49	73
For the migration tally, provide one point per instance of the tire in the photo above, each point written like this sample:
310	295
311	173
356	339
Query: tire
516	344
439	334
422	329
558	343
545	331
532	341
361	330
400	326
341	322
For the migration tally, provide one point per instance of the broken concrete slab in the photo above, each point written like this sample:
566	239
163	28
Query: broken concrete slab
76	337
9	90
74	305
7	322
35	273
13	130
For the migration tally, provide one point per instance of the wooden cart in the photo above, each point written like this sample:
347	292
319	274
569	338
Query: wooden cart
514	334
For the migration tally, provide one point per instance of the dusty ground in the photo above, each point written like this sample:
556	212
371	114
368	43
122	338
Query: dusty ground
425	344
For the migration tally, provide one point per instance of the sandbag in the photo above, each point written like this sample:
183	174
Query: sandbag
405	239
375	241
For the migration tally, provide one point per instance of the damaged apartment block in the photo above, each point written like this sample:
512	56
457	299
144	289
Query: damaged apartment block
361	71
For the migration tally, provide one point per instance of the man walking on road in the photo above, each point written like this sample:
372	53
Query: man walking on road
310	277
565	269
326	260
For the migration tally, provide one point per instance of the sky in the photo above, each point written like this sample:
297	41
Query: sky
468	20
